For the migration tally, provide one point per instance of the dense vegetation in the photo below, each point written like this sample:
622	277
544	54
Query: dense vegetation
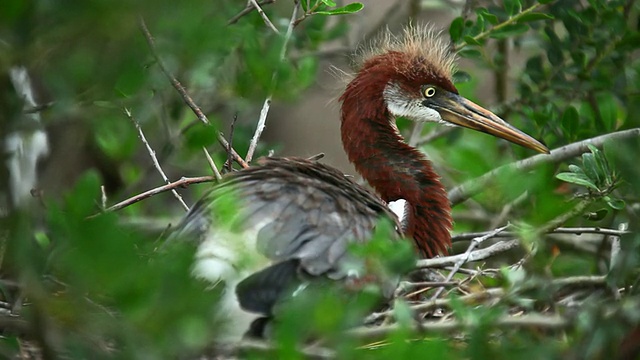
83	280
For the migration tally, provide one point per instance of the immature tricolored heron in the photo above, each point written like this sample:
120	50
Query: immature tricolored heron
295	217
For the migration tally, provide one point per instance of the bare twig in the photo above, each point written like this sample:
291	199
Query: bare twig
524	321
249	8
156	163
511	20
212	164
264	16
185	96
103	198
615	246
228	165
435	134
267	102
176	84
471	187
180	183
475	242
577	209
560	230
473	256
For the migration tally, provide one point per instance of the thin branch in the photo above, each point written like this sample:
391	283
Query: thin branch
259	128
560	230
249	8
435	134
264	16
489	294
577	209
474	256
475	242
149	193
550	322
511	20
471	187
212	164
185	96
103	198
156	163
228	165
438	303
176	84
267	102
615	246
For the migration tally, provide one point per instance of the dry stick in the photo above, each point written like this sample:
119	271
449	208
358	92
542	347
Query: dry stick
530	320
152	153
493	293
578	209
471	187
229	164
615	246
475	242
249	8
473	256
264	16
435	134
103	198
267	102
560	230
185	96
149	193
212	164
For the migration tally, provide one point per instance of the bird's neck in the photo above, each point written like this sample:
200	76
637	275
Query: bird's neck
396	170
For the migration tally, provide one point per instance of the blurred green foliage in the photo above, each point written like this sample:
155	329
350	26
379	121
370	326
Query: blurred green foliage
99	289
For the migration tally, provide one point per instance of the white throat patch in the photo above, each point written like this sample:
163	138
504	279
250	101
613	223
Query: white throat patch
400	104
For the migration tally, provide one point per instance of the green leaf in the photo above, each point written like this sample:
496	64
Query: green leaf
471	41
509	31
608	107
545	1
591	168
576	169
597	215
615	203
461	77
456	28
529	17
577	179
330	3
199	136
512	6
603	164
492	19
570	122
470	53
349	9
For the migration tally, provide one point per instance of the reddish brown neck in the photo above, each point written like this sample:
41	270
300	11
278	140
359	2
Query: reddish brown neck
395	169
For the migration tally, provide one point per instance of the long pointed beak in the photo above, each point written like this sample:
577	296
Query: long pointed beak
460	111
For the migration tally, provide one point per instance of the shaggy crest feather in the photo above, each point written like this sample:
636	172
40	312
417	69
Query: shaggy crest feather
420	42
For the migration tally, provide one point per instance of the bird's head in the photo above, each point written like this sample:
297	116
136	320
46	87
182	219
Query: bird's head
413	73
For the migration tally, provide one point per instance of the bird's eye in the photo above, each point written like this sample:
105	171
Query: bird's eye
429	91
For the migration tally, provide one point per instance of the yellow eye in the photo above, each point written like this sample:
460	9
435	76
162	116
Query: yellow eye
429	91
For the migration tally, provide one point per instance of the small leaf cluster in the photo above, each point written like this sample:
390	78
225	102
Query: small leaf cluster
596	175
495	23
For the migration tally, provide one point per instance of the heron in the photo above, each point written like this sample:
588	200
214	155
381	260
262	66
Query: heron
293	219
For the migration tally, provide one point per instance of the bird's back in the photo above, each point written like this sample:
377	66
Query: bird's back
272	227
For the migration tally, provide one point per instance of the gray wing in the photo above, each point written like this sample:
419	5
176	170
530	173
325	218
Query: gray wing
313	212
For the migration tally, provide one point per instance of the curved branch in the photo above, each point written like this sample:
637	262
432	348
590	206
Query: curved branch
473	256
170	186
472	187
